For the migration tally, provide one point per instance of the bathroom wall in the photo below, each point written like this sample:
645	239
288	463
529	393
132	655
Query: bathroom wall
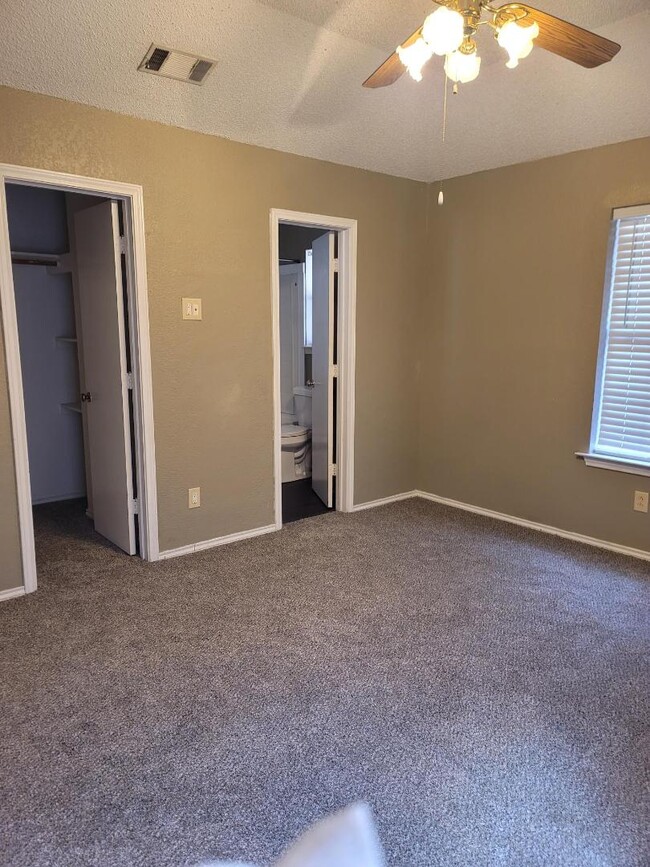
295	240
291	332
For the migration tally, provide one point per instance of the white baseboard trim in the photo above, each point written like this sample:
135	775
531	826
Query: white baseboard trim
12	593
533	525
195	547
384	501
59	499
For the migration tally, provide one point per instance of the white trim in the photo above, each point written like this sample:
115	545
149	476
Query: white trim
634	211
619	465
347	256
385	501
534	525
132	197
12	593
215	543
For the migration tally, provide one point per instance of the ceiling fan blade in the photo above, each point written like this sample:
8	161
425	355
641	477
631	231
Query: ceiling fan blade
567	40
392	68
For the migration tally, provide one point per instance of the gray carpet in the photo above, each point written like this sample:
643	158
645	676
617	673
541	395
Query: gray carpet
483	687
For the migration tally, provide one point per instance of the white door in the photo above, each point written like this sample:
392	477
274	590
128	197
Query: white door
101	309
322	402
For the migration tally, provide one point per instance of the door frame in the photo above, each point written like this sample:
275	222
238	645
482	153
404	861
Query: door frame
346	342
131	196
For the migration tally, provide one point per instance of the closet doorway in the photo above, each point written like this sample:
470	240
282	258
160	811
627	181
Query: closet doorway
76	332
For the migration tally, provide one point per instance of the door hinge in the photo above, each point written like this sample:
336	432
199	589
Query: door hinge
122	244
335	370
136	507
336	266
332	469
129	380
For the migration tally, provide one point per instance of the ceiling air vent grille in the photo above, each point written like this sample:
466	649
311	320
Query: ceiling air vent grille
176	64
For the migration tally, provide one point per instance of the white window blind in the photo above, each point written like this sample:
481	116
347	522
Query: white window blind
621	426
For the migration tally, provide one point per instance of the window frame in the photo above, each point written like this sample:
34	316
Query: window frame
597	457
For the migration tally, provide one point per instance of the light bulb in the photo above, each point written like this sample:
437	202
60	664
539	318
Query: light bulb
517	41
462	67
443	30
414	57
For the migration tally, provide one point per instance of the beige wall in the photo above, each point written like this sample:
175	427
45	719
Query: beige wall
511	317
207	203
477	321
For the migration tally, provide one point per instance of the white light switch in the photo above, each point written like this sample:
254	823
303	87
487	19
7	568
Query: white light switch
192	308
194	498
640	501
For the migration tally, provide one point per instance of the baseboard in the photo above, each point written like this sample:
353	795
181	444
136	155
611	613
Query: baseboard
384	501
195	547
533	525
12	593
59	499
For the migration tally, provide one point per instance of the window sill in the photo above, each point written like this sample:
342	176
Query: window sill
619	465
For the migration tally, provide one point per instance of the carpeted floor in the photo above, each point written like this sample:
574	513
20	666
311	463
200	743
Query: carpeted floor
483	687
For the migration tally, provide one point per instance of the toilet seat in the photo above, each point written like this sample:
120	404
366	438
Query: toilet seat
294	431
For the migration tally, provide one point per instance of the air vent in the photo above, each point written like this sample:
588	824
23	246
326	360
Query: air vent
176	64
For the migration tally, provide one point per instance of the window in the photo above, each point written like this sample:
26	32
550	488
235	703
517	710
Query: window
621	421
308	300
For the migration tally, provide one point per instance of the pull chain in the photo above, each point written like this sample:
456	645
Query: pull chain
441	195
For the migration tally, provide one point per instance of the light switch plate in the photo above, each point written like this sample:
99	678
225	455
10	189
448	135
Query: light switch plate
194	498
641	501
192	308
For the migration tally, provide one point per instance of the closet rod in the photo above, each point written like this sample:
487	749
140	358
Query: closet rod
19	258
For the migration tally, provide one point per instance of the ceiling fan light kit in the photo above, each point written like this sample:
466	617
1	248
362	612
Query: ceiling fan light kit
450	31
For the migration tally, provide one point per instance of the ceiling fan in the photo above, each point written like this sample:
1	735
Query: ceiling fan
451	32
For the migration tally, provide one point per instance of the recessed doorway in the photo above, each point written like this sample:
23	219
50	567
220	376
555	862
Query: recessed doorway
75	319
313	294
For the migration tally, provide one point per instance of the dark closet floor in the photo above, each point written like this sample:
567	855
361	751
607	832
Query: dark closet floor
299	501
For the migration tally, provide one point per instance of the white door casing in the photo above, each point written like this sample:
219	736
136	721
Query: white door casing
322	435
101	307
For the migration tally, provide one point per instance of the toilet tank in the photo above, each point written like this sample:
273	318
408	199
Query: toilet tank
302	403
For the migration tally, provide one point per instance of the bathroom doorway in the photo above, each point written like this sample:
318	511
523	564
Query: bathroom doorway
313	271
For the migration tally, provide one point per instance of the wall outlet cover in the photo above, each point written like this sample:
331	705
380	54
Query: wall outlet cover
192	308
641	501
194	498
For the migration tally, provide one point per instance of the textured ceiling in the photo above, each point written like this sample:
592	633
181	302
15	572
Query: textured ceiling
289	77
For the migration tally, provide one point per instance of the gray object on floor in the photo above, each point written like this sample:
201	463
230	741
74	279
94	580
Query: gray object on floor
346	839
483	687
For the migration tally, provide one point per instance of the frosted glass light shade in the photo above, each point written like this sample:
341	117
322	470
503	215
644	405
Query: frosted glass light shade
414	57
462	67
443	30
517	41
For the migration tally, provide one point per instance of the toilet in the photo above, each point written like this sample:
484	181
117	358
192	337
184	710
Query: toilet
296	438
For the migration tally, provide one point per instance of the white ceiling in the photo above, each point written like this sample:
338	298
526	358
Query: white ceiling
289	77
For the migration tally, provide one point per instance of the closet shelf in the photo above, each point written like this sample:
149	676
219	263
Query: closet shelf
72	407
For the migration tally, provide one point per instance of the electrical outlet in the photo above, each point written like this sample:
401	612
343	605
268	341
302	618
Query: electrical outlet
194	498
640	501
192	308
